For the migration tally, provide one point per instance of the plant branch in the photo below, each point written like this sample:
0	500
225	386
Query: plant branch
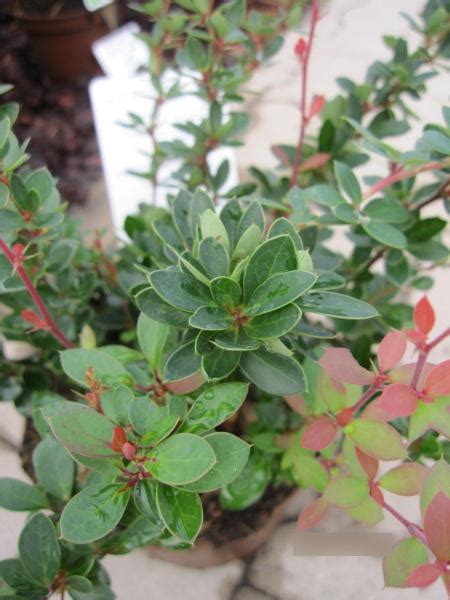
423	355
436	196
375	387
402	174
304	61
412	528
35	296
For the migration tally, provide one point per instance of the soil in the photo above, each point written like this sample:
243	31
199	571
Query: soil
56	116
222	526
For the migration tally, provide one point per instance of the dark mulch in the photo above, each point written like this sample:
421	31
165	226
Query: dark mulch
55	115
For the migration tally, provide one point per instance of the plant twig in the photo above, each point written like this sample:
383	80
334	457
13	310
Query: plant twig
36	297
303	117
413	528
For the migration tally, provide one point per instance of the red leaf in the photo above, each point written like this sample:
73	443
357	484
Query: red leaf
391	350
424	316
187	385
424	575
297	403
119	439
340	364
282	156
129	451
30	316
312	514
368	463
398	400
437	382
315	161
377	494
319	434
317	103
300	48
436	525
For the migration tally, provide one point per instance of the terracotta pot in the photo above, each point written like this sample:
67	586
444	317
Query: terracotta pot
62	44
205	554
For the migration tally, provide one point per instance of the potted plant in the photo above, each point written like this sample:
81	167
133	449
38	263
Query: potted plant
187	375
62	33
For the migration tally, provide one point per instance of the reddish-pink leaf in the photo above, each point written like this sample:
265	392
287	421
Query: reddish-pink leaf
315	161
436	525
297	403
319	434
281	155
300	48
187	385
424	575
119	439
368	463
129	451
424	316
317	103
398	400
404	374
437	382
340	364
391	350
312	514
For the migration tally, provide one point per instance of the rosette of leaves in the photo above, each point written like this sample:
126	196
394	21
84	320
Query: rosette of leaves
237	287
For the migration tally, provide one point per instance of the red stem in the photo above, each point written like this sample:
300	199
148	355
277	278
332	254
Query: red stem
423	355
412	528
399	176
39	303
375	387
303	116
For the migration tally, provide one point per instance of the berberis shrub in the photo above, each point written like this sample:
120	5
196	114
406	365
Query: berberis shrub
230	347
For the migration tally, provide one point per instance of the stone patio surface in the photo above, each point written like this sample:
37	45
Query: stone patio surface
348	40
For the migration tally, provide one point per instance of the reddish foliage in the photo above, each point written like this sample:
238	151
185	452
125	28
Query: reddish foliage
398	400
437	382
424	316
312	514
340	364
319	434
30	316
368	463
391	350
436	525
119	439
424	575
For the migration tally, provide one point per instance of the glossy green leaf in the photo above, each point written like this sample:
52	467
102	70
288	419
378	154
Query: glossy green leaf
347	182
275	255
54	468
116	402
250	485
235	340
39	549
226	292
214	257
273	373
337	305
180	290
377	439
151	421
181	511
182	458
182	363
273	324
212	226
154	307
211	318
84	431
231	454
219	363
278	291
214	406
105	368
152	338
13	574
93	513
247	243
144	496
386	211
18	495
386	234
282	226
253	215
